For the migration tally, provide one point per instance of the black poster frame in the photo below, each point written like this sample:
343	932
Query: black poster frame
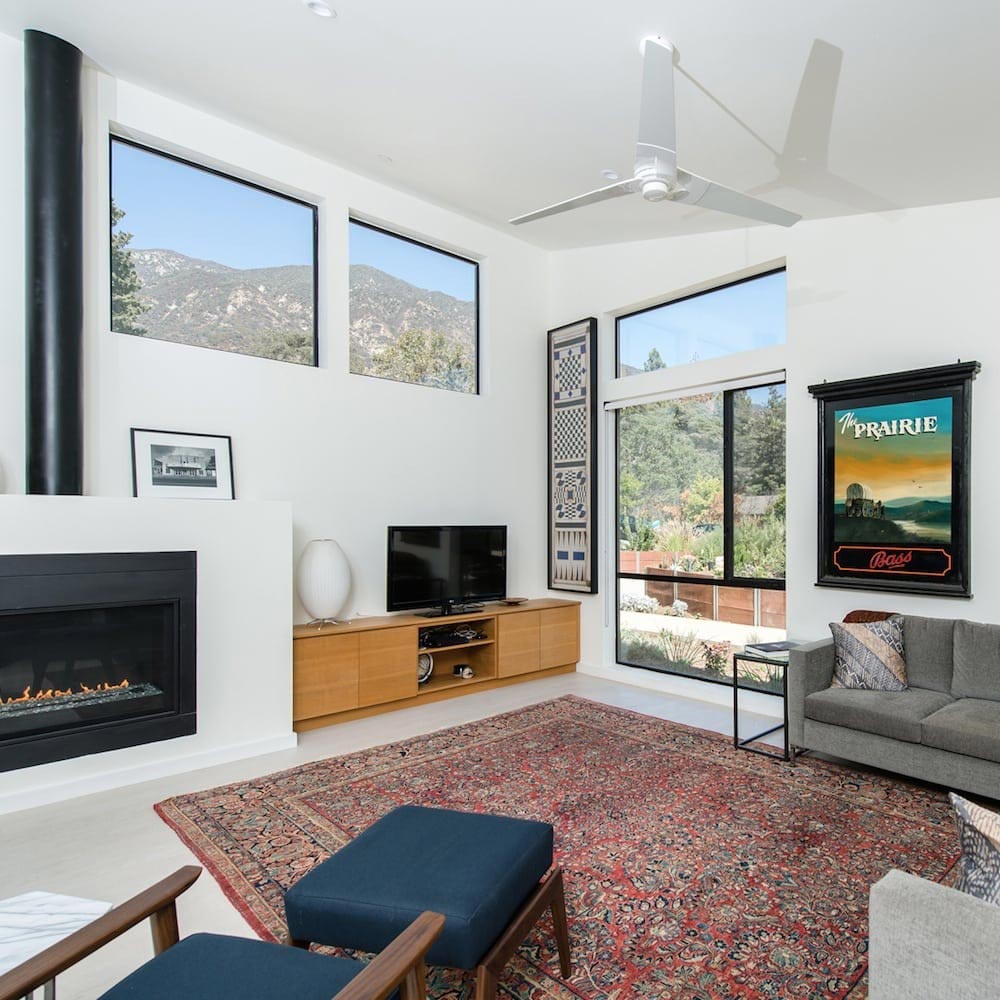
947	570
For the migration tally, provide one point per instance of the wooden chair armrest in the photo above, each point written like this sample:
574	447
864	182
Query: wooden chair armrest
400	964
158	902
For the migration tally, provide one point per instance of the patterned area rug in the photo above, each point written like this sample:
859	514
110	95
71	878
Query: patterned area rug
693	870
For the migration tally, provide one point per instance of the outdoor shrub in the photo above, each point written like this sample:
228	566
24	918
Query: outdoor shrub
639	602
682	648
641	647
759	547
708	548
716	656
637	535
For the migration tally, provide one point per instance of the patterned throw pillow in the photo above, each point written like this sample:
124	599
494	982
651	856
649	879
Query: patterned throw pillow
979	836
869	655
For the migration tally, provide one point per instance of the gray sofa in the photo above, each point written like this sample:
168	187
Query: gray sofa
945	728
929	942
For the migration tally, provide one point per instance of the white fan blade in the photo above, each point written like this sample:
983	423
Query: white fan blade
590	198
657	138
707	194
807	140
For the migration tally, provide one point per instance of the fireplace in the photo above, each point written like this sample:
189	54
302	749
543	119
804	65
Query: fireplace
97	652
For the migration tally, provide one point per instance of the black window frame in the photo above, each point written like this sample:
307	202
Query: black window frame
685	298
114	137
353	221
728	579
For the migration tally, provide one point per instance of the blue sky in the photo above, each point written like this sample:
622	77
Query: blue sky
172	206
761	395
418	265
741	317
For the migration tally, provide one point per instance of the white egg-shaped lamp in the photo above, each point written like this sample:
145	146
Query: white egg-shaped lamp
323	579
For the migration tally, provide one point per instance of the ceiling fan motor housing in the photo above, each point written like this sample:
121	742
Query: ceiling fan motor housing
656	189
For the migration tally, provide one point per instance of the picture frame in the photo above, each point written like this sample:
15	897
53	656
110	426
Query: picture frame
572	456
180	465
894	475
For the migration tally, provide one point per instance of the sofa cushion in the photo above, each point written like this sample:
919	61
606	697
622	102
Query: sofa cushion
979	834
977	661
895	714
970	726
930	651
869	655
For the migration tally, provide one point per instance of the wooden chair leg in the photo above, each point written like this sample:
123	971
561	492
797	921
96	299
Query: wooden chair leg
296	943
164	926
486	983
414	987
561	925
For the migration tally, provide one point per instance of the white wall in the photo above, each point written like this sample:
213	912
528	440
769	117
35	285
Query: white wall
352	454
867	295
244	628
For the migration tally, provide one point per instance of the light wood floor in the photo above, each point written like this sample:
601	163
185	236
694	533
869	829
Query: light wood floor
111	845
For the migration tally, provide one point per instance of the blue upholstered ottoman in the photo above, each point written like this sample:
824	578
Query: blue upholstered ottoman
486	874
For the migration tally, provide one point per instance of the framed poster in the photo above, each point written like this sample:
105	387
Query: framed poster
894	454
174	465
572	405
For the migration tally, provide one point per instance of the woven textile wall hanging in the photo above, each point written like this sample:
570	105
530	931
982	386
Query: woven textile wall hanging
573	457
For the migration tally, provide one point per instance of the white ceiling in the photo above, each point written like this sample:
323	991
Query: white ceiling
496	109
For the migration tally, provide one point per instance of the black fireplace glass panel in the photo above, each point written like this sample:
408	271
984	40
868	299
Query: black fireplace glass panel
63	668
98	652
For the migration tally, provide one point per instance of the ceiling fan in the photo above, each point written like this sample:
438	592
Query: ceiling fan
657	176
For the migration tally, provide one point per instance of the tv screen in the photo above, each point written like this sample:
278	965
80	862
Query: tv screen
438	567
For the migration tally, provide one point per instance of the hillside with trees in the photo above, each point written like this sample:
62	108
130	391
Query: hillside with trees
670	481
265	312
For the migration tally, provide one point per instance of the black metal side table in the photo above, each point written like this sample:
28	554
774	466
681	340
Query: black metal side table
779	660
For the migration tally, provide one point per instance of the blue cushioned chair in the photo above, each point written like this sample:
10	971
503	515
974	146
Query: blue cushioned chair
210	966
491	876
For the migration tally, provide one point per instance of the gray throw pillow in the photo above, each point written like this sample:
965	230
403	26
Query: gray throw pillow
979	836
869	655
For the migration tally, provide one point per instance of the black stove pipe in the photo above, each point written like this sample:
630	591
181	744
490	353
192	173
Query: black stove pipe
53	194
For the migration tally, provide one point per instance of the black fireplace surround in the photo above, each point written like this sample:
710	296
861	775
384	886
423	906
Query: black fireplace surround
97	652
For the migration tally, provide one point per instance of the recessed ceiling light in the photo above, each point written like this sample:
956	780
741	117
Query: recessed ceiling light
319	8
611	175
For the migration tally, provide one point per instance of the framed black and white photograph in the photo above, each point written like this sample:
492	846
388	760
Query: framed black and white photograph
175	465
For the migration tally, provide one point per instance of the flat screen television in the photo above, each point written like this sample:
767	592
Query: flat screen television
446	568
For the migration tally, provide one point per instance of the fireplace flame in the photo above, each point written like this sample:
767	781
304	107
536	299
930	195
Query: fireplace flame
28	695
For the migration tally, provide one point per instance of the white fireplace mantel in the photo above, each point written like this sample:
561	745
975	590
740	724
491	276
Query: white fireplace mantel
244	628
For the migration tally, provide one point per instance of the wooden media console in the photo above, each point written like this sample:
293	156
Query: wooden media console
369	665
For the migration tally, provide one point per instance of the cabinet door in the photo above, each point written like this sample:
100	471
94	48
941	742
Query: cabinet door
388	665
324	675
518	640
560	636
